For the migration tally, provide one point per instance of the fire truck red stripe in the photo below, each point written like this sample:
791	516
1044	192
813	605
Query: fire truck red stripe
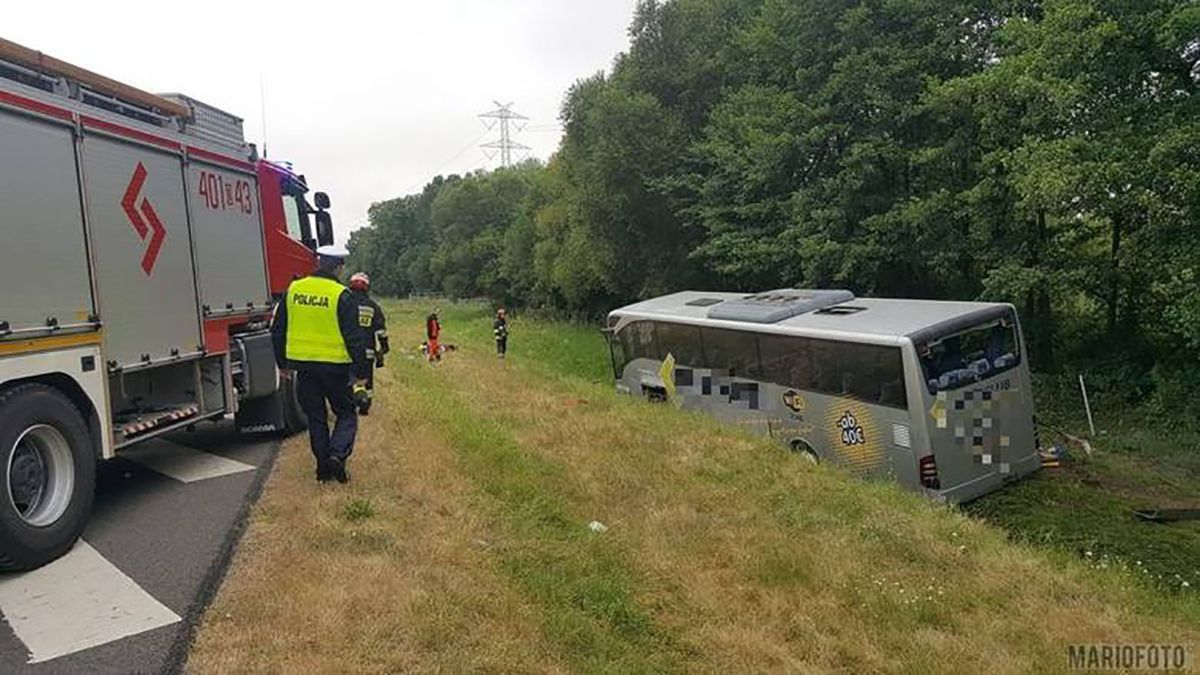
156	241
201	153
35	106
131	133
130	199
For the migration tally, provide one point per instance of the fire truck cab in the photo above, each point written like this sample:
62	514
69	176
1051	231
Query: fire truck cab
145	244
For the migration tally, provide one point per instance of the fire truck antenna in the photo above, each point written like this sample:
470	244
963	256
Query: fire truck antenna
262	100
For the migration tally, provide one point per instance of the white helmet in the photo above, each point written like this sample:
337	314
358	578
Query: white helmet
334	251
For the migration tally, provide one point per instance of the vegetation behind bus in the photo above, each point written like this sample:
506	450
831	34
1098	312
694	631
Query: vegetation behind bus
1042	153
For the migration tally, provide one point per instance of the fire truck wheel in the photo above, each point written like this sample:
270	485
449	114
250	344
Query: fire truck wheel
294	420
47	476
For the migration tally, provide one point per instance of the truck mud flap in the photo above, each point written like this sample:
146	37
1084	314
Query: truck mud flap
278	413
261	415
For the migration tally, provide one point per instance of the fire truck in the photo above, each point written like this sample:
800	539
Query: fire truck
145	244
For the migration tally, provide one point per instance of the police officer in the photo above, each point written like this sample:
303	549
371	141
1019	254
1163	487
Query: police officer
374	324
316	335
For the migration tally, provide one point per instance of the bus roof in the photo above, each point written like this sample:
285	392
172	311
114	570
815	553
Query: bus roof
916	319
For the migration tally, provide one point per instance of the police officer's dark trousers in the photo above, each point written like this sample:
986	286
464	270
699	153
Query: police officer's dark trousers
316	387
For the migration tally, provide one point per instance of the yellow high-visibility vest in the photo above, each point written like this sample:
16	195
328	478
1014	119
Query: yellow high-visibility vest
313	332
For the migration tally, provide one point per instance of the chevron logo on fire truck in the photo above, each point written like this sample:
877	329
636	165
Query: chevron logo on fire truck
131	207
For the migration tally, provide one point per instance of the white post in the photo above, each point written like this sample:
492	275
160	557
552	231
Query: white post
1087	406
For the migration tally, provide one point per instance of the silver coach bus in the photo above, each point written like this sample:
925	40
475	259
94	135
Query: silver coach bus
935	395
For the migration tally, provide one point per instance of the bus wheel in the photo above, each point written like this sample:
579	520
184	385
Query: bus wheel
47	476
805	451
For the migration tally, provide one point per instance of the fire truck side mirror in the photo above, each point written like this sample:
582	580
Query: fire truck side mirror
321	200
324	229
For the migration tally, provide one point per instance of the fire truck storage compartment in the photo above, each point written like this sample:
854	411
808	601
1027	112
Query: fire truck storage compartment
142	252
214	383
229	239
156	399
43	260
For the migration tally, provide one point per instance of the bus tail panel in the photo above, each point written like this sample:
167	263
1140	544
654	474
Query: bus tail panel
982	436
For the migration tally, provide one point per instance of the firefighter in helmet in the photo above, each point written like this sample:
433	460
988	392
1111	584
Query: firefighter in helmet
374	325
500	332
317	337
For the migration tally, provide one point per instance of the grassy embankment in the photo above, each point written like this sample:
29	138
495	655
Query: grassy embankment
463	544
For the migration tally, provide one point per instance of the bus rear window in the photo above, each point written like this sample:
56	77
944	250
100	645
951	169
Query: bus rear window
966	357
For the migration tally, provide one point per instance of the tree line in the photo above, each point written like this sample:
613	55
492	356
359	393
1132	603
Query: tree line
1040	152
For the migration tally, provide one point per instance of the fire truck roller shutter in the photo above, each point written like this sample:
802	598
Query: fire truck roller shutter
227	227
43	256
142	250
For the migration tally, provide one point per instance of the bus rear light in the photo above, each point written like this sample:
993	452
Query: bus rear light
929	473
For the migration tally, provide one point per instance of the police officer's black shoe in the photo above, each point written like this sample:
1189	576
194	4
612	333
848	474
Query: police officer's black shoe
324	475
337	467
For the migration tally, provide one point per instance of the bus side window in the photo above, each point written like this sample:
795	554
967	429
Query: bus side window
731	350
637	341
619	353
876	373
681	341
829	370
892	391
786	361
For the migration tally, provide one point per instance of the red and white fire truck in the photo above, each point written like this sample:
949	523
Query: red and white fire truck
144	245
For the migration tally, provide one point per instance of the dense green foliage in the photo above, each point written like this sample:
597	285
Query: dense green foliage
1043	152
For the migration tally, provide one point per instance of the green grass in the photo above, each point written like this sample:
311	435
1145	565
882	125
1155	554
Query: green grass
358	509
722	553
1084	510
556	348
580	580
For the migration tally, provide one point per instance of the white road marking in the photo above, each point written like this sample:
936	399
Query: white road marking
77	602
182	463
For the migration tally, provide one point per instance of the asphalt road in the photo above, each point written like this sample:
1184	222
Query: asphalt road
128	597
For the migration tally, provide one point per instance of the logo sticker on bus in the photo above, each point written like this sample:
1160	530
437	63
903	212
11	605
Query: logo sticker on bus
852	431
794	401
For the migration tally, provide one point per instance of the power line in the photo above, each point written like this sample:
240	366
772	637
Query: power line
448	162
505	114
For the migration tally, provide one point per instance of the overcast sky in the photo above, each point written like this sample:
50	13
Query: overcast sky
368	99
